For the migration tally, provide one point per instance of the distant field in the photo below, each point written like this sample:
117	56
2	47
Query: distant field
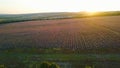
95	35
12	18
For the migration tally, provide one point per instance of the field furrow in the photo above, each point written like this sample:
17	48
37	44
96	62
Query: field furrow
74	34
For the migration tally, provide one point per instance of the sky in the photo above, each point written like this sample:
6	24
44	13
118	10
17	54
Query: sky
40	6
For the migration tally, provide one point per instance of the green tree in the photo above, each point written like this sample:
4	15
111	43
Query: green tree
54	66
45	65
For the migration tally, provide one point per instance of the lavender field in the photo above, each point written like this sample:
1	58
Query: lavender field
95	33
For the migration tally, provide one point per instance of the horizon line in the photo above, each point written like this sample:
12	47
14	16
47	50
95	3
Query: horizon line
57	12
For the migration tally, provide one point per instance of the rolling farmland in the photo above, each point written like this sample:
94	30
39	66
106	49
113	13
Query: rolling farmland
71	43
94	34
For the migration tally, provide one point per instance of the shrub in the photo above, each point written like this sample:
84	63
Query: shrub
54	66
45	65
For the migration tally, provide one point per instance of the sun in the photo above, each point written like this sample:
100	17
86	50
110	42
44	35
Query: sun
91	13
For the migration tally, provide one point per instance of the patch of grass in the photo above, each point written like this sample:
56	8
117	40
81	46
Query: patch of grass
64	57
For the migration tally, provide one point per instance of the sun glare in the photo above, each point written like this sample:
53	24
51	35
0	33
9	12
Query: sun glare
91	13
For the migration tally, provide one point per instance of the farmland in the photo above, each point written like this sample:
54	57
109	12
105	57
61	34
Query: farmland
75	42
96	34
